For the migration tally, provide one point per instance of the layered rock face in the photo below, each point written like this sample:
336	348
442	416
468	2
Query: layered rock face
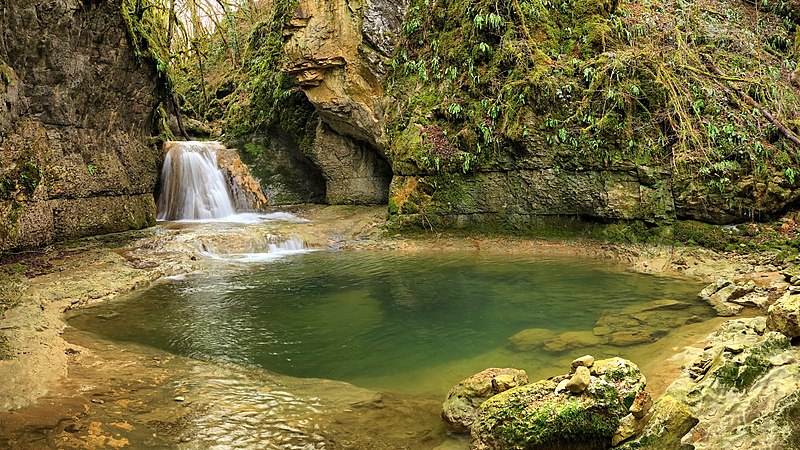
336	50
488	115
76	112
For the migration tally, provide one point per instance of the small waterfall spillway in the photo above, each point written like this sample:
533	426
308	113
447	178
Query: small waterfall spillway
193	187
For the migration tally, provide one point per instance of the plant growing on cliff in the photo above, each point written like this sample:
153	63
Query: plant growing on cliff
701	90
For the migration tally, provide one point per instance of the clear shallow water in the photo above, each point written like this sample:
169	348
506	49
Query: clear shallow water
385	320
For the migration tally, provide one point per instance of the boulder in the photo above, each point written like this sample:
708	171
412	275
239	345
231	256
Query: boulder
538	416
746	396
721	304
629	426
641	405
669	422
784	315
530	339
792	274
714	287
583	361
463	400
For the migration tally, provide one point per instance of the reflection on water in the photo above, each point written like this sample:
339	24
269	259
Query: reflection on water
400	322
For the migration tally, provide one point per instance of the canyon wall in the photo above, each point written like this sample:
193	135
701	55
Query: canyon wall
483	114
77	153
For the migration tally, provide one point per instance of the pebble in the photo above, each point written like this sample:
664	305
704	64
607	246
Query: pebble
180	398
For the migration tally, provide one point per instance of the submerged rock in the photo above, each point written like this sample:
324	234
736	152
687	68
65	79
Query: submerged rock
541	416
463	400
642	323
571	340
530	339
784	315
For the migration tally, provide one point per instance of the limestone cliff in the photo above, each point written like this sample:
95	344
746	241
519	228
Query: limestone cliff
504	113
76	121
337	50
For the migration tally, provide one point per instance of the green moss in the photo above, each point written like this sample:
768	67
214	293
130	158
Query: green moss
594	86
742	374
6	75
558	423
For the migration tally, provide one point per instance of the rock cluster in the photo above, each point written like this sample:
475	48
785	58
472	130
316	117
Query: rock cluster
596	405
636	324
728	298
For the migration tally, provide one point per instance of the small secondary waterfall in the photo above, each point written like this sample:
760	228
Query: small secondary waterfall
192	185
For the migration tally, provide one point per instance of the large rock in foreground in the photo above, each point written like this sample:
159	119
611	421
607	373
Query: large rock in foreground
784	315
461	406
742	385
549	415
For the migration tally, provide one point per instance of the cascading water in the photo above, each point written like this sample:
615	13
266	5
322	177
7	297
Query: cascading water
193	187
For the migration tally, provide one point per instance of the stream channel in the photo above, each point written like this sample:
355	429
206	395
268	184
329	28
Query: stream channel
292	348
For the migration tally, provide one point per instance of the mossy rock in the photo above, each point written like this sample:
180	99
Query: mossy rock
744	370
535	417
670	421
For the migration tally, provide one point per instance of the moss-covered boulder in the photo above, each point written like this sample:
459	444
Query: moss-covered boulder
460	407
546	415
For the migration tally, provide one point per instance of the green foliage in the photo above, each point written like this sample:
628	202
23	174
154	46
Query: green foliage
267	98
24	179
249	95
147	22
598	86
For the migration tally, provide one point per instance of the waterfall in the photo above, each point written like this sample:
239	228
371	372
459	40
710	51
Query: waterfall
192	185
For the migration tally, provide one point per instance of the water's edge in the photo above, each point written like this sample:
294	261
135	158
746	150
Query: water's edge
55	366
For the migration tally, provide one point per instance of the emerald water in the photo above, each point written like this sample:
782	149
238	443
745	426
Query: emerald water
392	320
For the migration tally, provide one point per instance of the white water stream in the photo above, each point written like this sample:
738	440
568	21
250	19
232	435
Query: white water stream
192	185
